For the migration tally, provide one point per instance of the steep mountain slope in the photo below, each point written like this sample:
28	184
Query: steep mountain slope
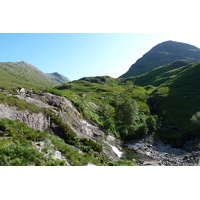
22	74
169	92
58	77
175	99
161	54
160	74
51	131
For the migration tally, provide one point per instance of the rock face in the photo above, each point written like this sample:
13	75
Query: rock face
161	54
67	112
82	127
37	121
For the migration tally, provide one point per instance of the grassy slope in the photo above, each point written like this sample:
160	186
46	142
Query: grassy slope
23	136
22	74
161	74
176	98
104	94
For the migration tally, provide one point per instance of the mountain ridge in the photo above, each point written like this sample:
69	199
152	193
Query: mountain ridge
161	54
58	77
23	74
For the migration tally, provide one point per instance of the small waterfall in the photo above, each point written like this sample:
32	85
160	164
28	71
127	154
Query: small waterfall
116	150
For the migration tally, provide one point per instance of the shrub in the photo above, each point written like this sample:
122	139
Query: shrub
64	130
19	155
151	122
19	131
90	143
109	125
141	129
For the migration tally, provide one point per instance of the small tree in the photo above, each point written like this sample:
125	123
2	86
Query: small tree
127	112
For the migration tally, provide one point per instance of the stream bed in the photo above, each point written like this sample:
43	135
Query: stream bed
148	152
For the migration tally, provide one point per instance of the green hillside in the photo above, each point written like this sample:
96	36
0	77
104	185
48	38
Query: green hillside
162	54
21	74
175	99
160	74
115	105
170	92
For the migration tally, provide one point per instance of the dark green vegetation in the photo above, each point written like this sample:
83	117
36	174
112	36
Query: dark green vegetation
70	136
161	54
18	147
161	102
21	74
175	99
117	105
18	142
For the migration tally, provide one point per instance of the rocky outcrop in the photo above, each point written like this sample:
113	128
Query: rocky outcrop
67	112
64	108
41	146
37	121
158	153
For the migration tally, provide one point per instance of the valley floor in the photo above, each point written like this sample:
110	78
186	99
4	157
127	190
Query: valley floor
156	153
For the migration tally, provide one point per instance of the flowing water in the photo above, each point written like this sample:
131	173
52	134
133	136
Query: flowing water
130	154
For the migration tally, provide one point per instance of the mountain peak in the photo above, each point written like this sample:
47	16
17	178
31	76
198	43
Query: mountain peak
58	77
161	54
172	46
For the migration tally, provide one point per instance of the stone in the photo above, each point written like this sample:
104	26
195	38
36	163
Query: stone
37	121
134	160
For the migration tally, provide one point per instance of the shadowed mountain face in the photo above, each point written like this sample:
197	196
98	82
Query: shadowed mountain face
22	74
161	54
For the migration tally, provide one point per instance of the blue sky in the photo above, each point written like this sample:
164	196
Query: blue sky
76	55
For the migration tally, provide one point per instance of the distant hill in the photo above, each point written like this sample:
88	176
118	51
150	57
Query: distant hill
161	54
58	77
22	74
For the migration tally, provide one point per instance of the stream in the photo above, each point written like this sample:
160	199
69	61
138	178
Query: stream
148	152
